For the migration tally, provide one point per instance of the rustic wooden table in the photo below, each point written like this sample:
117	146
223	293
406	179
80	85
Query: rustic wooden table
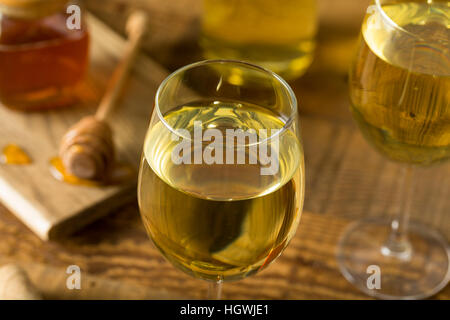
346	180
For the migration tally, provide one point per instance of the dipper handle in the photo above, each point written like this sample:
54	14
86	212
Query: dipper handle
136	26
87	149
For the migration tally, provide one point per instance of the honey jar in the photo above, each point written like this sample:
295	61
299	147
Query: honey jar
43	53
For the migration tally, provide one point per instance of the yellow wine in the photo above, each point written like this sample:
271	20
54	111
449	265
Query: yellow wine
220	221
400	82
278	35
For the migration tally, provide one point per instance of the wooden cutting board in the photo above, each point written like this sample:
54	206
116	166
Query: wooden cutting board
52	208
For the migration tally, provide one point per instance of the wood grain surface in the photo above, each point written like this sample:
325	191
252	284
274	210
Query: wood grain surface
346	180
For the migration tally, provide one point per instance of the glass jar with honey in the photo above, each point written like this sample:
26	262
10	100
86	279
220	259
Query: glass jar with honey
43	53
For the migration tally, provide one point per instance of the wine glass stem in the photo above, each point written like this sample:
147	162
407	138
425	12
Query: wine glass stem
397	244
215	290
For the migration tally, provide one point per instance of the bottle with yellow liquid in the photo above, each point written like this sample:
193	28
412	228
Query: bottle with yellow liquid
278	35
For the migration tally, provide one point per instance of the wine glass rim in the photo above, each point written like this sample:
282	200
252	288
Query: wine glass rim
391	22
293	99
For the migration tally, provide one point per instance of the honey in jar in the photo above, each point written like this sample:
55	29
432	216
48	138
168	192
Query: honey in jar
42	60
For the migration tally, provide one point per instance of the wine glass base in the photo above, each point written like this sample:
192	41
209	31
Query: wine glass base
421	273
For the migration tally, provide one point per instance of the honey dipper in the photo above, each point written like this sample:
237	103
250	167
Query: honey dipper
87	149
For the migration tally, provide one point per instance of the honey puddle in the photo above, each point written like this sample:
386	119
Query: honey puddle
121	173
15	155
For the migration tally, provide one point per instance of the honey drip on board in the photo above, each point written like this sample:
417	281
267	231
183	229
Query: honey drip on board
121	173
15	155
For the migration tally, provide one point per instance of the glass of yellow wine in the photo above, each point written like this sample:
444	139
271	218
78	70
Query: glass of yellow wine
400	94
221	182
278	35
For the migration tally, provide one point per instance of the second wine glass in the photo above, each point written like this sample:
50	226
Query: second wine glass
399	87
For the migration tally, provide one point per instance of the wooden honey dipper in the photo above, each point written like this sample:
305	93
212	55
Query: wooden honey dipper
87	149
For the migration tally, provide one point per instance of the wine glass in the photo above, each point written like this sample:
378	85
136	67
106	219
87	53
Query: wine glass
399	87
221	182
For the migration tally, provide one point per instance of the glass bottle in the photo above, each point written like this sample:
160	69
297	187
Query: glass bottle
278	35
